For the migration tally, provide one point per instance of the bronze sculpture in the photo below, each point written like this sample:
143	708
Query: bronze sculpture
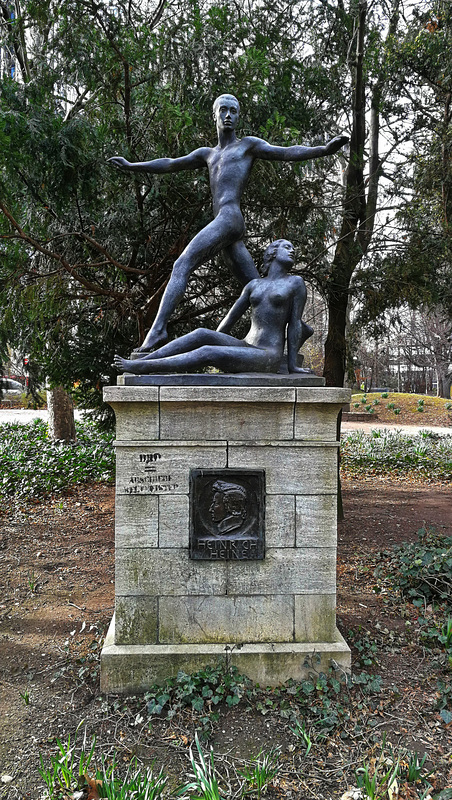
276	300
229	165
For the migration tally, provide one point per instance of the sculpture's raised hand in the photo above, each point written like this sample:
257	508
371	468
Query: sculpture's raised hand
119	162
335	144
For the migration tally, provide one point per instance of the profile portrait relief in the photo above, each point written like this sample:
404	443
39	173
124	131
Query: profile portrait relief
227	514
228	508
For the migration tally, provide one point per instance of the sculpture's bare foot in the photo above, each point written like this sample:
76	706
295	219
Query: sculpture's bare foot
122	364
301	371
152	342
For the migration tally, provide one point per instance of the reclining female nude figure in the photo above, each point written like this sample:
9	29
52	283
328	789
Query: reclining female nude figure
277	301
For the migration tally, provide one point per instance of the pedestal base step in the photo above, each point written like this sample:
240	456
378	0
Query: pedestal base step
224	379
132	669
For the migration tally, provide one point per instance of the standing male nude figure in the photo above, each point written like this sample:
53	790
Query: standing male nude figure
229	165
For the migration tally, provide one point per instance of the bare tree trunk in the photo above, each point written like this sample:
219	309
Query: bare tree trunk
359	211
348	250
447	385
335	348
444	380
61	415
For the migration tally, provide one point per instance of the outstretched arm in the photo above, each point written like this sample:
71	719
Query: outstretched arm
297	152
294	327
237	310
194	160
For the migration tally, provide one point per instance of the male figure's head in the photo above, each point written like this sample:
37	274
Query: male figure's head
228	508
226	110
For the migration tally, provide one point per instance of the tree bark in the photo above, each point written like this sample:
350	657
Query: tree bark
448	385
348	251
61	415
359	211
444	381
335	345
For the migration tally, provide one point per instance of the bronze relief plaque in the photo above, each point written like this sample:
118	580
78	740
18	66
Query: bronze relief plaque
227	514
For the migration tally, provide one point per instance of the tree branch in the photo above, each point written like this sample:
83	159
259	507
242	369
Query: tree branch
93	287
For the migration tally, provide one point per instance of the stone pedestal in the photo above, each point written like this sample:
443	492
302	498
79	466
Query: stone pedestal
267	610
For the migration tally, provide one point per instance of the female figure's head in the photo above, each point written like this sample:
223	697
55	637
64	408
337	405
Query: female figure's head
281	249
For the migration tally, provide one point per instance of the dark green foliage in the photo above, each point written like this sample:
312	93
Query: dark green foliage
366	647
201	691
86	250
421	571
391	452
31	465
444	702
323	699
436	633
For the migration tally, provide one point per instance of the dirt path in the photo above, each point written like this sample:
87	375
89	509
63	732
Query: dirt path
57	573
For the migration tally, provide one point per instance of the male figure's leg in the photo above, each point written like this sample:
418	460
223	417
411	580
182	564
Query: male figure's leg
239	261
207	243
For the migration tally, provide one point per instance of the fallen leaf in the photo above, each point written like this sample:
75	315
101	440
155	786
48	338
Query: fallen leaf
93	785
393	790
353	794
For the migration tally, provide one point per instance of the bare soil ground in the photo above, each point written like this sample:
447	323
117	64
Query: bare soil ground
57	573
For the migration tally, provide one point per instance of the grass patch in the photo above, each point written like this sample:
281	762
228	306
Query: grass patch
31	465
387	452
23	400
412	409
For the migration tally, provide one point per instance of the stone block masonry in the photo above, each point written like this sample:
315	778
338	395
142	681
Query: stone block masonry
175	612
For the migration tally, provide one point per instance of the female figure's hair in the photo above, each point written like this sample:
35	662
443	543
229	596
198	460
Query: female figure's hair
270	254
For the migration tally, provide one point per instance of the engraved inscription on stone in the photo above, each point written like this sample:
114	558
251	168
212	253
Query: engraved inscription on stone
227	514
151	480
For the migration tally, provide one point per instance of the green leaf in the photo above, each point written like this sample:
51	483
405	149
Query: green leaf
446	716
197	703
